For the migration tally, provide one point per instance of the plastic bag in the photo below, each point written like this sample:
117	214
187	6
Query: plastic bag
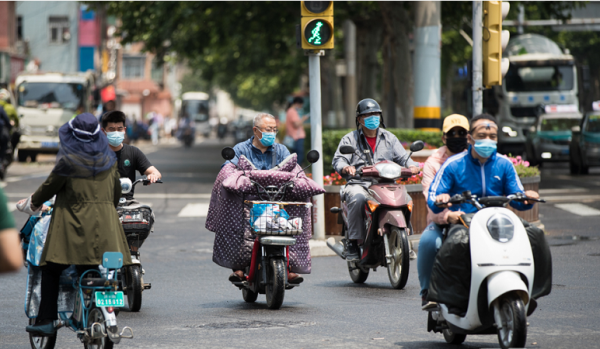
37	240
269	218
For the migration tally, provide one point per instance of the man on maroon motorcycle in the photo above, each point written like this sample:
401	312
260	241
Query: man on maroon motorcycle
383	145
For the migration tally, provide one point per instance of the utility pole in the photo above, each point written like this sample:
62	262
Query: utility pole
427	65
316	138
521	19
477	58
350	78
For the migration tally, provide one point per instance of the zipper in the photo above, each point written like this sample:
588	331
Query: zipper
483	179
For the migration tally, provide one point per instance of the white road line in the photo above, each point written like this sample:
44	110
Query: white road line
570	198
562	191
12	206
137	196
579	209
194	210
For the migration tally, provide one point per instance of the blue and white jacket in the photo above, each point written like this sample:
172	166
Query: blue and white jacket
462	172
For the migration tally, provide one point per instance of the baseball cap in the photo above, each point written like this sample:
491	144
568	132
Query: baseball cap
455	120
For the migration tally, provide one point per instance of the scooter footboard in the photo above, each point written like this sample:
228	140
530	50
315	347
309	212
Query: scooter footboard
506	281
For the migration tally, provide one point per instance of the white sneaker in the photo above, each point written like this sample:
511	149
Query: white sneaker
412	255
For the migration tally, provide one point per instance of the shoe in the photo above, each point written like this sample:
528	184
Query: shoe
295	279
412	255
235	276
429	306
352	251
44	330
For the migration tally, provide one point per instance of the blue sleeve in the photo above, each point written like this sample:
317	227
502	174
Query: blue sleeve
512	185
442	182
283	153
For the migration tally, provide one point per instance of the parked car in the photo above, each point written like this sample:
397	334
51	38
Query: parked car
585	145
549	139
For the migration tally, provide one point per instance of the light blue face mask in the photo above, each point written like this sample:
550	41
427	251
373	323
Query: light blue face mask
268	138
115	138
485	147
372	122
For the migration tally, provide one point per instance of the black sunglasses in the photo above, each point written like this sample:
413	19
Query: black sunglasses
456	133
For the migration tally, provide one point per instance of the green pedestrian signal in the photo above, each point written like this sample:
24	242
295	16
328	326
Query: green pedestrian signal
317	32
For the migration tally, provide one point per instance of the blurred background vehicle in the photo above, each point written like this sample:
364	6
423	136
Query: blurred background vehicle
195	106
585	144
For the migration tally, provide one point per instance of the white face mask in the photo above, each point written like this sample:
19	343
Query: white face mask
115	138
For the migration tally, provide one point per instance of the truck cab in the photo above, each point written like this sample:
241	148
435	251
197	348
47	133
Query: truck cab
195	106
540	74
45	102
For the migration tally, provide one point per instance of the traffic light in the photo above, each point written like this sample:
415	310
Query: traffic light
316	25
494	42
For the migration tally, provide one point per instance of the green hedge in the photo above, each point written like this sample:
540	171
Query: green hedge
332	138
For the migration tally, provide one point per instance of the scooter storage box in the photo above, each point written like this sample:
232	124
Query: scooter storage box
137	222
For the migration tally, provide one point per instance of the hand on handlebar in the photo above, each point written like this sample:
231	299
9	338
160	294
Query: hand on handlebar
442	200
531	194
414	169
151	178
349	170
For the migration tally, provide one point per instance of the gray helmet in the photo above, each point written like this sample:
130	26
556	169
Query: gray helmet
366	106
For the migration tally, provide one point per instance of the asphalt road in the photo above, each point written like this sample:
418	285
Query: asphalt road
192	305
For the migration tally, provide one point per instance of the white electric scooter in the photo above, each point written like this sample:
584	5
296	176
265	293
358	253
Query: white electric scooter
502	273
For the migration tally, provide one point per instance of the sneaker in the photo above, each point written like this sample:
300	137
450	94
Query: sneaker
352	251
429	306
412	255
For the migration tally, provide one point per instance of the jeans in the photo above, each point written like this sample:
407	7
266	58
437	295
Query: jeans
429	245
299	150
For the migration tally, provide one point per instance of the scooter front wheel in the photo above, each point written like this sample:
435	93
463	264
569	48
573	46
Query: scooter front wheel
398	269
41	342
276	286
513	333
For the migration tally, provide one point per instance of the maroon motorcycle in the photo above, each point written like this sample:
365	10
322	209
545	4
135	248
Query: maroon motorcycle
387	219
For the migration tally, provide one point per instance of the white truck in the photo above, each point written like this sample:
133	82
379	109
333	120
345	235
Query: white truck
195	105
45	102
540	74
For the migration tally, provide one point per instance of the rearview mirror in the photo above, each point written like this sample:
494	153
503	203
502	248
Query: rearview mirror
416	146
126	185
575	129
312	156
228	153
347	149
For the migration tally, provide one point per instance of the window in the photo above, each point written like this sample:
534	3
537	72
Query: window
20	28
51	95
133	67
59	29
539	78
157	72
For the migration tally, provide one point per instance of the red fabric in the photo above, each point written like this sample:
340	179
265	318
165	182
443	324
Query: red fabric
371	142
253	262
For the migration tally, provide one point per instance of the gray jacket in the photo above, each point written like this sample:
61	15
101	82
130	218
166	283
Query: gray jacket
387	147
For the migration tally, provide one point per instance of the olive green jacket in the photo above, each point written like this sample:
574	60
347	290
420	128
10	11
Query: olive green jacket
84	223
10	112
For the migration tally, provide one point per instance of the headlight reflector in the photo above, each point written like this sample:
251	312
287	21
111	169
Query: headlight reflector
389	170
501	228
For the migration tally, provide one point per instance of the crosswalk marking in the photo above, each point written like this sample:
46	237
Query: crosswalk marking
194	210
579	209
12	206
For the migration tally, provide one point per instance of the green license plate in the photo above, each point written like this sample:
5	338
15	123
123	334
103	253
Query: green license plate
110	299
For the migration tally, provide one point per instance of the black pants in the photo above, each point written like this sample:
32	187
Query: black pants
50	287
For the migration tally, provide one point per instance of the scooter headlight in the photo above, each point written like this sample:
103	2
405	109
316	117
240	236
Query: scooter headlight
501	228
389	171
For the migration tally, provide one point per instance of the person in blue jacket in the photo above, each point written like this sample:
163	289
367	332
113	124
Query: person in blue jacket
480	170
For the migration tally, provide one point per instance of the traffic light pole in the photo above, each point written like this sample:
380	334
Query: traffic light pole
477	58
316	139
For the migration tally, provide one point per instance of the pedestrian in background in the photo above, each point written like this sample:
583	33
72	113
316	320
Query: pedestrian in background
294	128
11	257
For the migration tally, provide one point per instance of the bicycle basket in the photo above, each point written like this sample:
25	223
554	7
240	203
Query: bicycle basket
271	218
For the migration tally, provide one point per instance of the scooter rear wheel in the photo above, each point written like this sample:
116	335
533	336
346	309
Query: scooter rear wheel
453	338
399	268
249	296
134	288
96	315
41	342
513	333
357	274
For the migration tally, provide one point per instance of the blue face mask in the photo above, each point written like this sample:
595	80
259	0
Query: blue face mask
485	147
115	138
372	122
268	138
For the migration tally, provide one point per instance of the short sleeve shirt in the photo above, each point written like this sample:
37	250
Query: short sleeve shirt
6	219
131	159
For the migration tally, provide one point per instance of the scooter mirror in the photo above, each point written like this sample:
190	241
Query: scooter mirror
416	146
228	153
126	185
312	156
347	149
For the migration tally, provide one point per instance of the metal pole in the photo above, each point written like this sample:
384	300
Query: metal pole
477	58
350	81
316	141
521	19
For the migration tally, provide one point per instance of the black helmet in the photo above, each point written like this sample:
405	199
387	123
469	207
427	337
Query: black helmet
366	106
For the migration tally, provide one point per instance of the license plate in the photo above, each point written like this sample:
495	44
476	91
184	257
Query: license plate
49	144
135	217
110	299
